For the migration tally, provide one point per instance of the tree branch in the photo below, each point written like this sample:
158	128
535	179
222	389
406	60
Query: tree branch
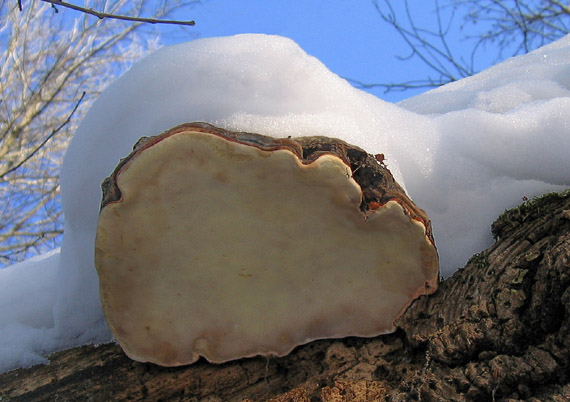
102	15
49	137
516	26
395	87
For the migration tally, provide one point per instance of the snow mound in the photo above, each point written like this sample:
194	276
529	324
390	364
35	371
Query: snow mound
464	152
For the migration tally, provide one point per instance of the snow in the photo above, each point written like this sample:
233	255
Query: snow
465	152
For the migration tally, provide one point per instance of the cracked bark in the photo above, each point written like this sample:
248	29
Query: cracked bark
496	330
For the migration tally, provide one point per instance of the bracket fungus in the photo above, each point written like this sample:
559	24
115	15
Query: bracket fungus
227	245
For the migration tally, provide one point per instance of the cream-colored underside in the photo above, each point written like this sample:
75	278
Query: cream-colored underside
222	250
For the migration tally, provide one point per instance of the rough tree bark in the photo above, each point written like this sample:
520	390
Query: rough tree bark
496	330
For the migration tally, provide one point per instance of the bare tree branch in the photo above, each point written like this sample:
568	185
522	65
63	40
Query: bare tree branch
52	67
510	27
428	45
102	15
394	87
45	140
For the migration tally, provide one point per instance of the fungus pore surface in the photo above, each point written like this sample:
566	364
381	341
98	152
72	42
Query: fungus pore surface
227	245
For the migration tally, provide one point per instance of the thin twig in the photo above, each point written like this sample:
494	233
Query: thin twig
49	137
102	15
397	87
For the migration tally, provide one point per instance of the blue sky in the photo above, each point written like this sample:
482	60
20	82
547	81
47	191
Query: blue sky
349	37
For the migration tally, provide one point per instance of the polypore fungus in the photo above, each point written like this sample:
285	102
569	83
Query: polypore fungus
227	245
